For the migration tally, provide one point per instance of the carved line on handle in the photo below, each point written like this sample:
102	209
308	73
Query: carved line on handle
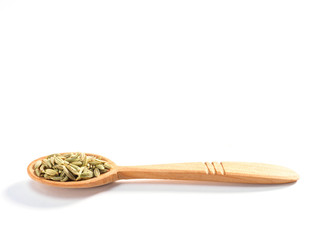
210	168
218	168
224	171
214	168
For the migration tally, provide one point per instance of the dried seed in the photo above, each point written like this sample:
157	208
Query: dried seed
64	179
56	178
59	167
104	170
72	169
47	163
77	163
37	171
69	174
42	168
82	156
100	166
51	172
37	164
75	166
96	172
44	162
86	175
99	160
52	160
72	159
106	165
95	162
80	172
58	160
46	176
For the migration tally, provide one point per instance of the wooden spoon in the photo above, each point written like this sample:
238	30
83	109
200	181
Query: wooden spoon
236	172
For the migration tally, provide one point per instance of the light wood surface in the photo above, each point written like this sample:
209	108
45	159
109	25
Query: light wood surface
236	172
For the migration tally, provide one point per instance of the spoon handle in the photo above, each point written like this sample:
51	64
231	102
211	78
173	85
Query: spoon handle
237	172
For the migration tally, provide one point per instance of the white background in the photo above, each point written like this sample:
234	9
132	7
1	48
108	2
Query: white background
149	82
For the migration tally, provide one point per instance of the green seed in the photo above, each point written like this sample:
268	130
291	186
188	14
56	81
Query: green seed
37	164
42	168
96	172
56	178
52	160
82	156
64	179
51	172
100	166
94	162
69	174
58	160
106	165
73	159
86	175
77	163
37	171
104	170
46	176
75	166
80	172
59	167
72	169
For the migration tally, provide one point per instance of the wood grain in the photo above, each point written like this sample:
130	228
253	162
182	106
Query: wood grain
236	172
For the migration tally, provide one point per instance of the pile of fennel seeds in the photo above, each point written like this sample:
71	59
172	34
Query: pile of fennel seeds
70	167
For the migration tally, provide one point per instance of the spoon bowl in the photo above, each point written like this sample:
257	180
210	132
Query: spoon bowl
103	179
236	172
